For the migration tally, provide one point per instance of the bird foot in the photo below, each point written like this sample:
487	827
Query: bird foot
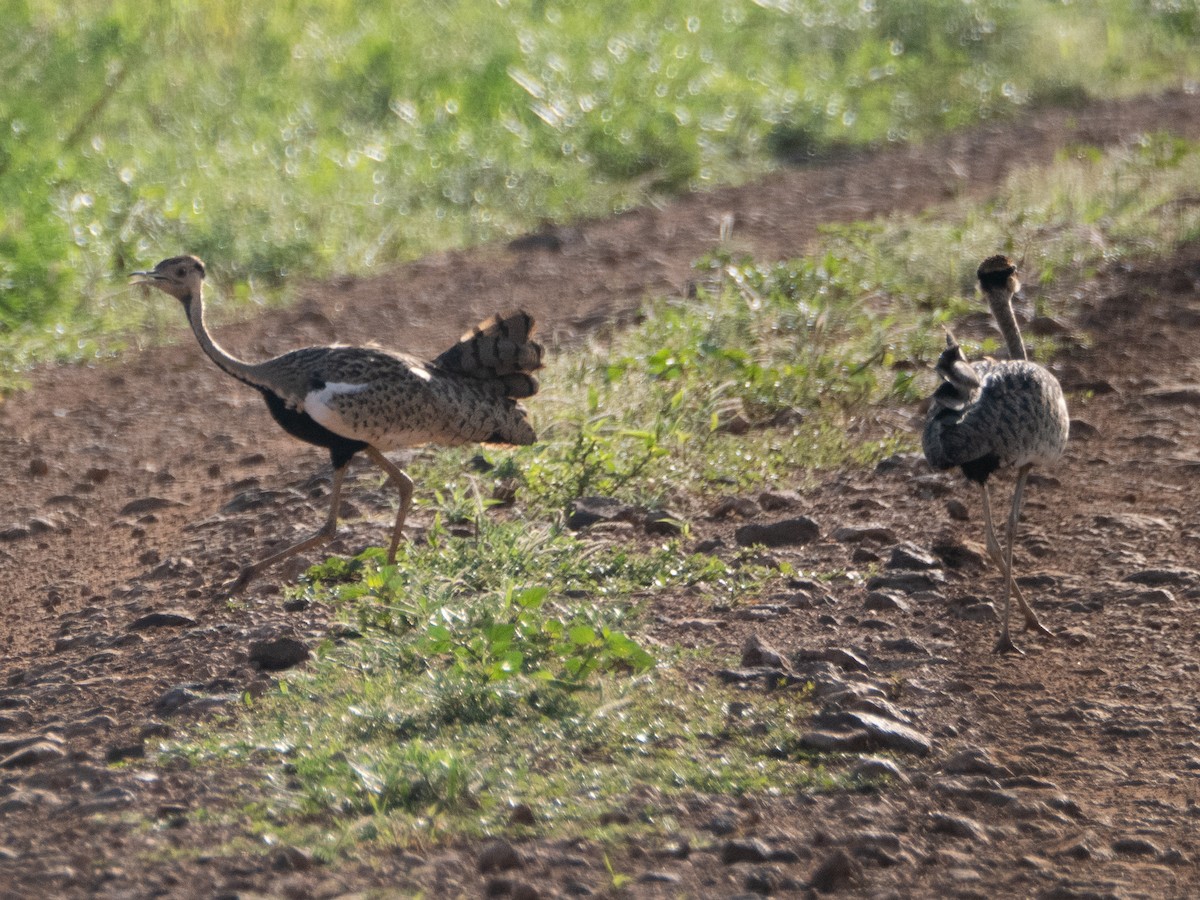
235	586
1035	625
1005	645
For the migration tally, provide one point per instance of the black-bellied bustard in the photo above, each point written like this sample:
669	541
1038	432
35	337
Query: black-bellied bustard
352	399
997	414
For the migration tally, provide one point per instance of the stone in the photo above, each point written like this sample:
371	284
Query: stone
498	856
957	510
744	850
874	768
782	533
144	505
278	653
589	510
957	826
162	619
907	582
853	534
974	761
773	501
1158	577
907	555
882	733
757	653
836	871
32	755
885	601
1134	846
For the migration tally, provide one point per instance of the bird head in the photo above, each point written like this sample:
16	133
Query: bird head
998	273
179	276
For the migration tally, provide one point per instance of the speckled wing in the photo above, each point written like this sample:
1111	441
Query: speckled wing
392	401
1017	417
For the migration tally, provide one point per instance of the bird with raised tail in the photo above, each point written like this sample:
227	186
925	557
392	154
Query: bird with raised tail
362	399
993	415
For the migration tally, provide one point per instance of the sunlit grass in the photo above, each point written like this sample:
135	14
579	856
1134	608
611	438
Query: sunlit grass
288	140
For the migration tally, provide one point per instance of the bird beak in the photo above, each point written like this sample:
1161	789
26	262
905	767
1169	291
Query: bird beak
145	277
950	341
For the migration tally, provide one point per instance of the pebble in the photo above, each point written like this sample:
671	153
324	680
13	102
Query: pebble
907	555
746	850
755	652
498	856
974	761
1157	577
589	510
876	767
785	532
166	618
144	505
881	733
885	601
32	755
957	510
907	582
853	534
278	653
1135	847
957	826
838	870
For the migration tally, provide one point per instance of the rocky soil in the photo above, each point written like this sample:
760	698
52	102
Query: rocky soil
132	487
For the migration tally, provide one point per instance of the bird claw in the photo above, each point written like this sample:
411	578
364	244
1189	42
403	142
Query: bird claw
1035	625
1005	645
235	586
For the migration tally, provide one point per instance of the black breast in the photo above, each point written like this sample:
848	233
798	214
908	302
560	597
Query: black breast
303	426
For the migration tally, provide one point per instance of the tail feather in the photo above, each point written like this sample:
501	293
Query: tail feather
500	349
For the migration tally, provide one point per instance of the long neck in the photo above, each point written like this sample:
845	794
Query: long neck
239	369
1000	300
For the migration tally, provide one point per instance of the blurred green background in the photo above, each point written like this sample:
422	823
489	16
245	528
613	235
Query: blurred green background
295	138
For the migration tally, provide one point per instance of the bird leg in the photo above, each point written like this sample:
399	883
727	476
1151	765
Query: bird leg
249	573
404	485
1031	619
997	555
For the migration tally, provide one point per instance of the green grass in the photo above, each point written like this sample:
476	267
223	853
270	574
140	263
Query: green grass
515	668
304	139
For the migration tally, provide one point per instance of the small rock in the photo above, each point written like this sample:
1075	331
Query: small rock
975	761
757	653
883	733
853	534
748	850
885	601
498	856
278	653
741	507
161	619
147	505
1158	577
838	870
655	877
774	501
1083	431
873	768
956	554
907	582
957	510
38	467
125	751
957	826
664	522
32	755
522	814
1134	847
909	556
589	510
291	859
785	532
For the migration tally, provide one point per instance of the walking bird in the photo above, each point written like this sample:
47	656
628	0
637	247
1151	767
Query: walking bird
997	414
352	399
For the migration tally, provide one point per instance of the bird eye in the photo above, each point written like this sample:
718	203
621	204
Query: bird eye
181	273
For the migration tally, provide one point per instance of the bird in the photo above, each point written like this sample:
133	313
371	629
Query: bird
370	400
997	414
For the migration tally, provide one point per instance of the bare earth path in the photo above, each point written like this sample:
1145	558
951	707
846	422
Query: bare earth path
1071	772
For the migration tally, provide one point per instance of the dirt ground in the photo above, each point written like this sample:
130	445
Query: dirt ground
132	486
